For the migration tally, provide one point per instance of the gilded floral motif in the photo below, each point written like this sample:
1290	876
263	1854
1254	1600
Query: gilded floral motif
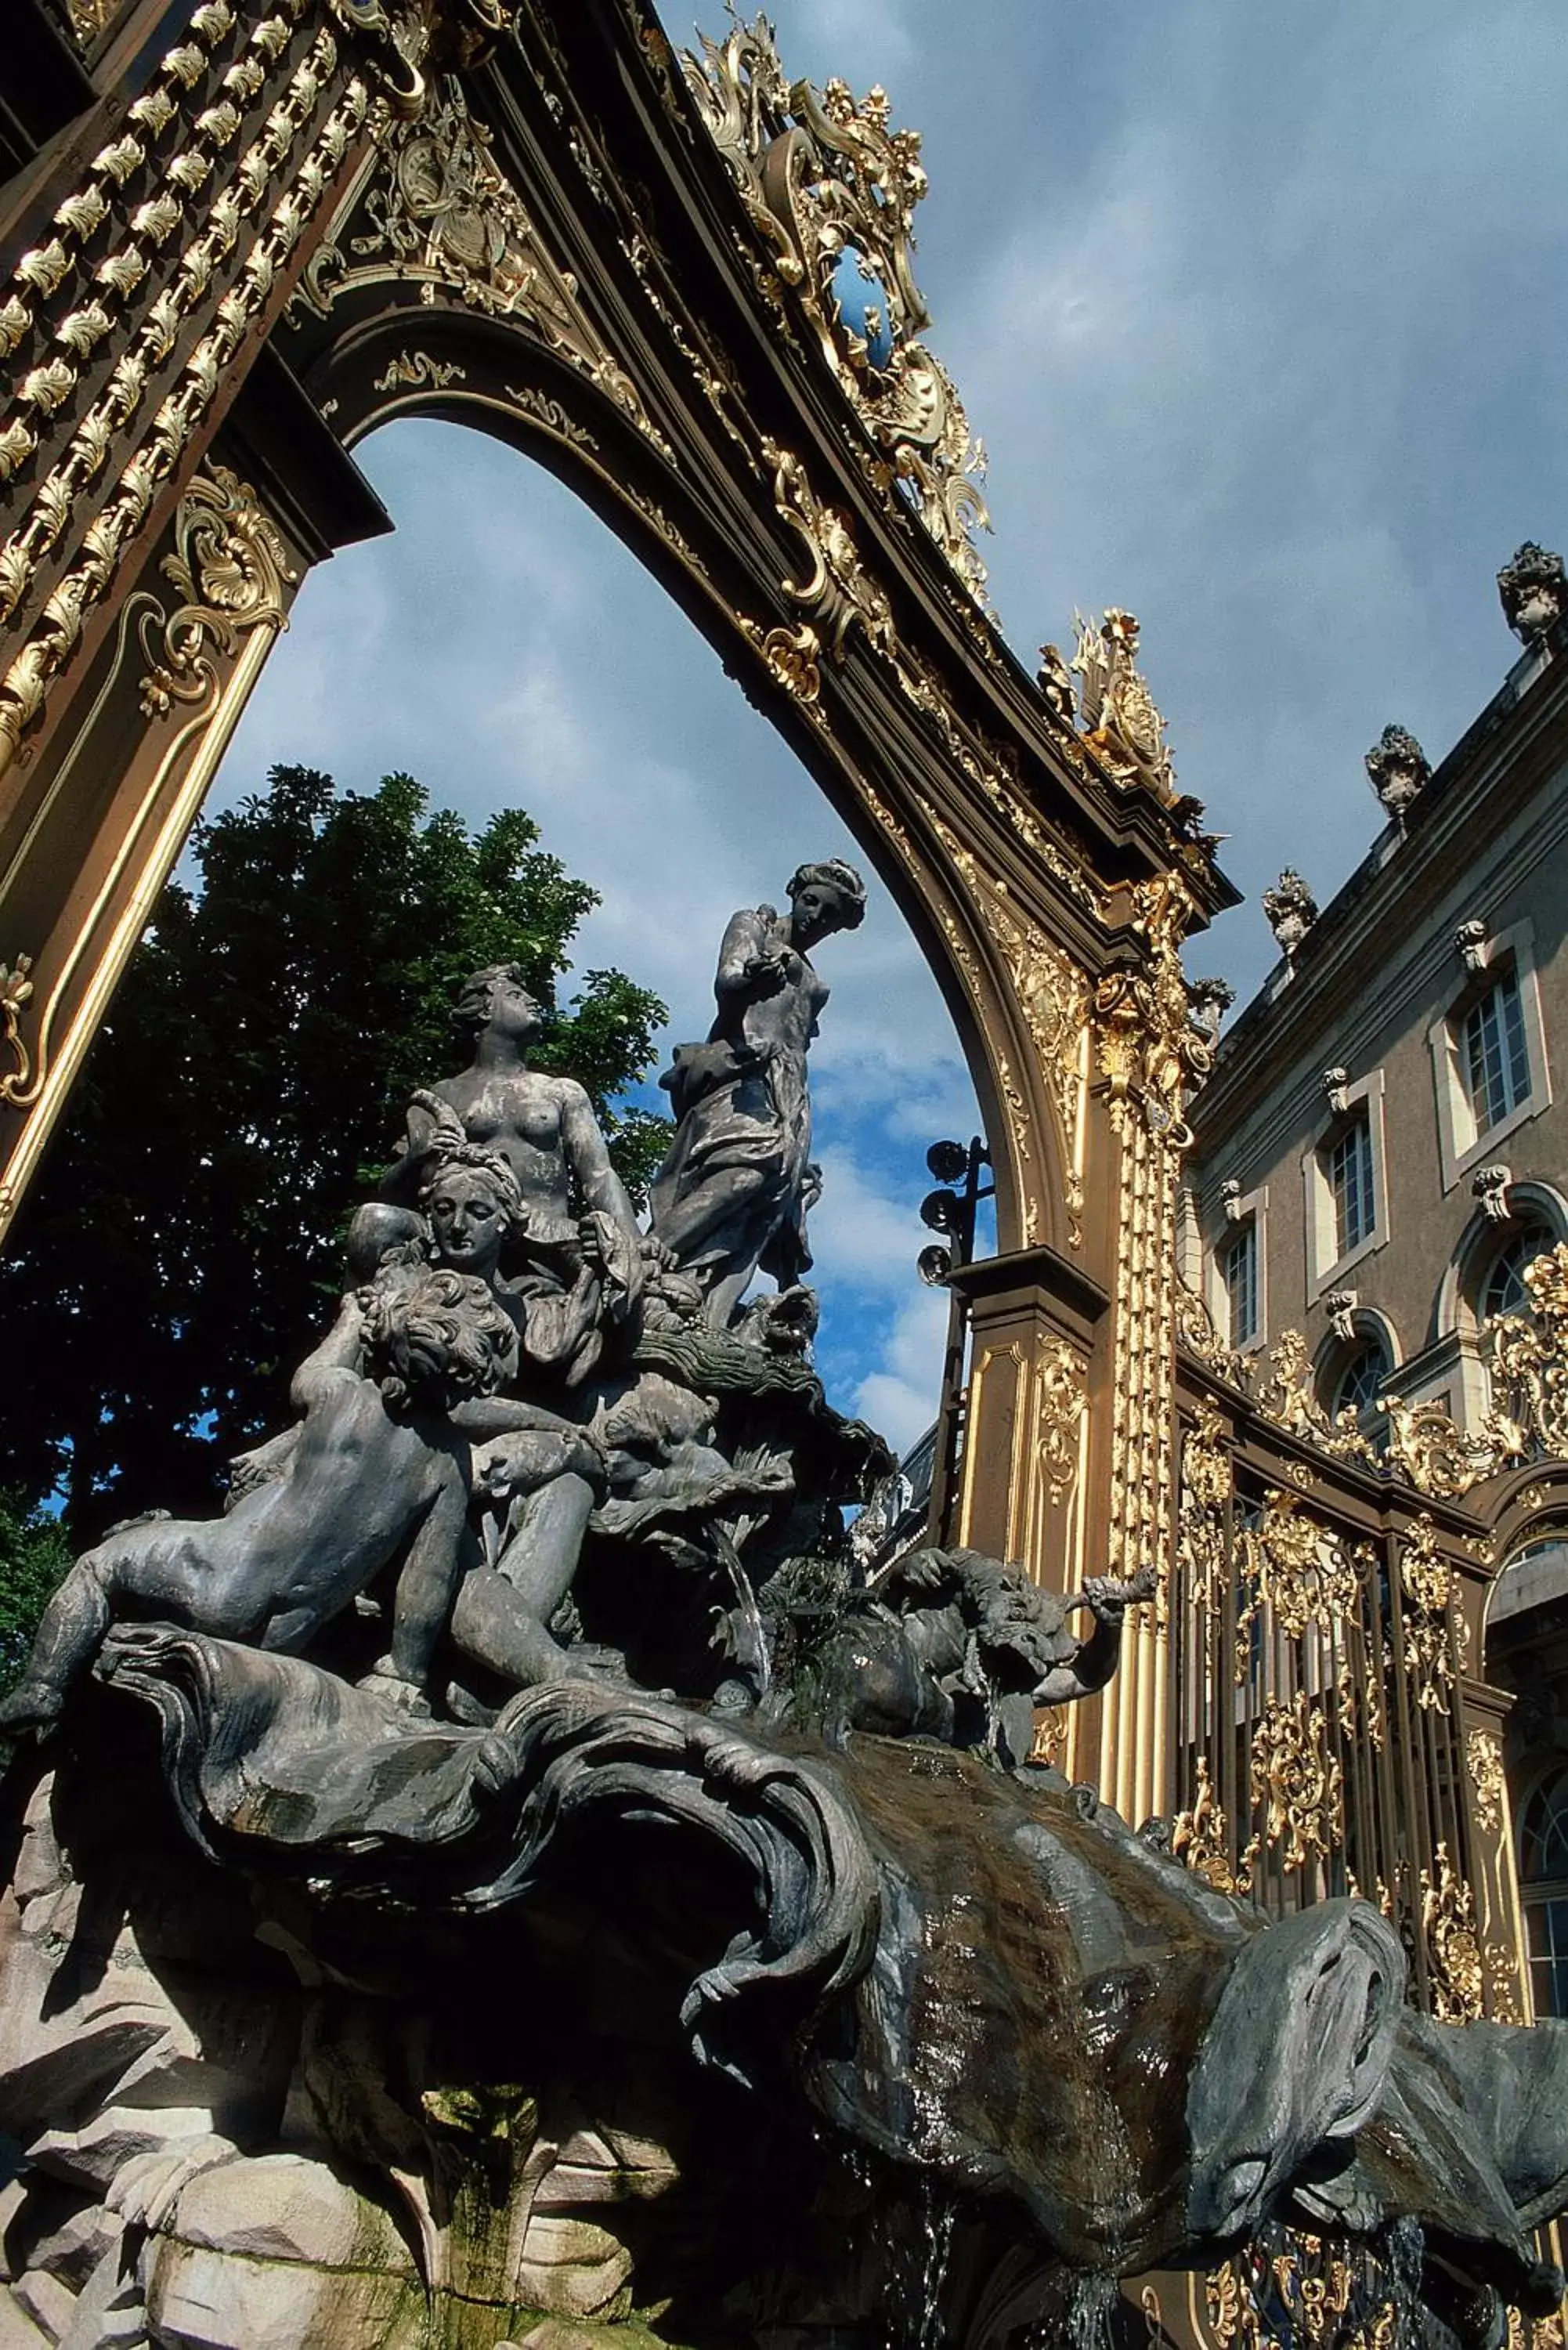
1453	1945
1299	1778
1484	1752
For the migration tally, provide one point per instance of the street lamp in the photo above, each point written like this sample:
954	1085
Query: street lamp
950	1211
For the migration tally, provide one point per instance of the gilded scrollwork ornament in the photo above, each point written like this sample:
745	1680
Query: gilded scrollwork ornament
1195	1331
1201	1839
1208	1486
1298	1567
231	570
1119	720
1299	1781
418	371
1061	1403
1440	1458
1150	1051
15	994
1296	2291
440	211
395	43
838	592
829	189
1483	1753
1452	1942
1429	1590
793	659
1530	1355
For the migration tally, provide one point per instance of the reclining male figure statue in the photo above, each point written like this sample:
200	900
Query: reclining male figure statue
378	1475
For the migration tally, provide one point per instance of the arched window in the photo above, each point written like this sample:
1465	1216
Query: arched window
1361	1380
1503	1289
1543	1882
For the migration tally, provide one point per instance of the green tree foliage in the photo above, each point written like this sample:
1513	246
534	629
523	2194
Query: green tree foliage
34	1554
183	1244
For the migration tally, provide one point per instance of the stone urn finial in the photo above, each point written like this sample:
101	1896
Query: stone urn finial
1290	908
1533	589
1397	769
1208	1000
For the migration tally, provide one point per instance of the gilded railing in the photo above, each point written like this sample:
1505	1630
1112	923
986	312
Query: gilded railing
1329	1729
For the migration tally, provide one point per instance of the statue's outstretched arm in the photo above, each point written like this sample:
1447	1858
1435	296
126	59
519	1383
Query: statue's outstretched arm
589	1161
480	1416
1096	1659
341	1350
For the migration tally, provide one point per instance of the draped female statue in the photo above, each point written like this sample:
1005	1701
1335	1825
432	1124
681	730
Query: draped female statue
733	1194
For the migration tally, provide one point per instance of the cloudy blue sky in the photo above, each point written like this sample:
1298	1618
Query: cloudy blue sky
1260	313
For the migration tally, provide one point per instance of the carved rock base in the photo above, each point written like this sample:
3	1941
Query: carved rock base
145	2033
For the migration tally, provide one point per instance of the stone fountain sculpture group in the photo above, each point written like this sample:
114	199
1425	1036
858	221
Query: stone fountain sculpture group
518	1876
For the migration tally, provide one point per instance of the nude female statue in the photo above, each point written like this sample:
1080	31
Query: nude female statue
731	1195
578	1256
377	1474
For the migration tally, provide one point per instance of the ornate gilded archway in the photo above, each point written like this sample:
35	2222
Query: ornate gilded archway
259	228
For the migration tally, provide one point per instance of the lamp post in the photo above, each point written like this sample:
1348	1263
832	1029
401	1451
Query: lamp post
950	1211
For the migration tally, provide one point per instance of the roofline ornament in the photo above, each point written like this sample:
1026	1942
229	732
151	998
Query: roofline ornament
1291	909
1533	592
1399	770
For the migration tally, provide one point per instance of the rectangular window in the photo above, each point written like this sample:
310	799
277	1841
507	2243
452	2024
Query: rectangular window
1350	1181
1496	1061
1238	1270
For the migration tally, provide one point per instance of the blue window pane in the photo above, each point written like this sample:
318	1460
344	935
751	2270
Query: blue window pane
1361	1380
1239	1269
1497	1064
1350	1180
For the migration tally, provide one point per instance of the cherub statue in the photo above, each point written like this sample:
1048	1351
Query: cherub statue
378	1475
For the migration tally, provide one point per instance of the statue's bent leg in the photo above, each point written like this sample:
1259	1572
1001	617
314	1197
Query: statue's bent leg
68	1640
503	1613
193	1574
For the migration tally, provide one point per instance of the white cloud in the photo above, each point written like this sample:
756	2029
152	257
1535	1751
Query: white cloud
900	1399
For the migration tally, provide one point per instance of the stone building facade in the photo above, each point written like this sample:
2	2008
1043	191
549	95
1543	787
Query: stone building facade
1376	1164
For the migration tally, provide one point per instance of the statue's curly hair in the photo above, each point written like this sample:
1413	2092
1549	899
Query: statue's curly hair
472	1009
433	1337
450	1147
833	873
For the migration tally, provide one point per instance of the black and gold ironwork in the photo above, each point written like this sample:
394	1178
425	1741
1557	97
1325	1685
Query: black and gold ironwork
238	235
684	285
